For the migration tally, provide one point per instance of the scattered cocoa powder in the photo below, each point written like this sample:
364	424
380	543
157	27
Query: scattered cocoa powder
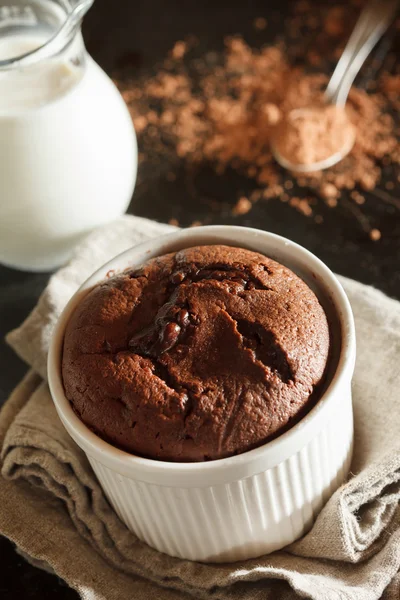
331	202
375	235
357	197
260	23
223	109
328	190
179	50
302	205
242	206
391	86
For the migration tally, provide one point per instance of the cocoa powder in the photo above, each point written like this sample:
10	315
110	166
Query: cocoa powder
224	109
306	136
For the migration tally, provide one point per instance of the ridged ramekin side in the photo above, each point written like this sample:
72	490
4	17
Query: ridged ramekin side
244	518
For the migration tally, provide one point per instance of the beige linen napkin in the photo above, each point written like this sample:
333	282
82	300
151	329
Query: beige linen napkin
52	507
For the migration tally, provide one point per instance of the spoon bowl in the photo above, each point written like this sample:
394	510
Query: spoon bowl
326	163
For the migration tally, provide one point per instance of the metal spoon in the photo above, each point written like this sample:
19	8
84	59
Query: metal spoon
372	23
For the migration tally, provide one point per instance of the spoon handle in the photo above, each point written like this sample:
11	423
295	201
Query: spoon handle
375	18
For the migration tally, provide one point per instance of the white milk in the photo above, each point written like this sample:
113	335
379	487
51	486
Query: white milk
68	156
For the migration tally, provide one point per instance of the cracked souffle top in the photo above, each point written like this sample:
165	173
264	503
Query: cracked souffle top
196	355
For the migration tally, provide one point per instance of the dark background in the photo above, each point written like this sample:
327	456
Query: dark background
142	33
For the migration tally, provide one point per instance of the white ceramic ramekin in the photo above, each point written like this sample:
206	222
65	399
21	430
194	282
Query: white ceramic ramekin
245	505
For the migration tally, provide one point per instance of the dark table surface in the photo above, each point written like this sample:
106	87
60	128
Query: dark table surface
147	30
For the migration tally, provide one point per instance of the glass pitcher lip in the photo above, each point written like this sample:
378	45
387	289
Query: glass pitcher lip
56	42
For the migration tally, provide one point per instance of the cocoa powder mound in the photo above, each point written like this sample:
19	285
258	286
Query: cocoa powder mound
310	135
224	108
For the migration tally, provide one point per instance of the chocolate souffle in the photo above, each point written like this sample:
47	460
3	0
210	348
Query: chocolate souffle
196	355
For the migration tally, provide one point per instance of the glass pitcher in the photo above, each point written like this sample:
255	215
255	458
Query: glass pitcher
68	153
